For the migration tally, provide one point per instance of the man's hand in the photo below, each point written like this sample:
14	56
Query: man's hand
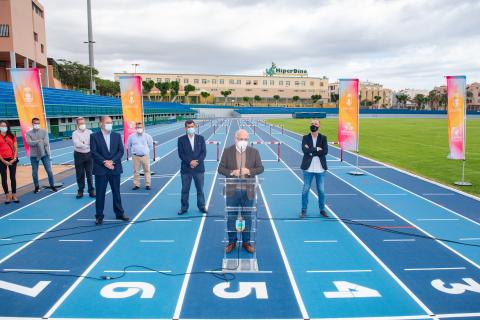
319	149
236	173
109	164
11	162
306	146
193	164
246	171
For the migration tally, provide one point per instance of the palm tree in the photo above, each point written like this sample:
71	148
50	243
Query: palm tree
257	99
376	100
334	97
315	98
174	88
187	89
276	98
246	100
419	100
295	98
402	98
226	93
433	98
147	87
205	95
163	87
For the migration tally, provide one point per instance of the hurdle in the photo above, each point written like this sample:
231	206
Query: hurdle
215	129
218	147
278	143
155	150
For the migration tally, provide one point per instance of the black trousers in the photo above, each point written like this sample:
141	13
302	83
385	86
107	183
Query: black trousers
101	182
83	167
13	178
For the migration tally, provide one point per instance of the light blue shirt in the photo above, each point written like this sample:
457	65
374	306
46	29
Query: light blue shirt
107	139
140	144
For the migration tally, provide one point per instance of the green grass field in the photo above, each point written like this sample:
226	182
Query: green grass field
416	145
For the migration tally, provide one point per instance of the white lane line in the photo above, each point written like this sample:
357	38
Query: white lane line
136	271
438	194
399	240
341	194
135	193
320	241
186	279
5	239
220	220
372	220
157	241
459	315
32	219
436	219
339	271
250	272
469	239
74	240
35	270
299	220
434	269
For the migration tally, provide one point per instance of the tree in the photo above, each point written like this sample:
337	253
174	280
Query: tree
377	99
334	97
315	98
174	88
107	87
163	87
276	98
257	99
75	75
295	98
433	98
205	95
402	98
188	88
419	100
246	100
226	93
147	87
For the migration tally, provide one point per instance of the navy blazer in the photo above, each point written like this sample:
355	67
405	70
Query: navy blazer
186	153
310	151
100	153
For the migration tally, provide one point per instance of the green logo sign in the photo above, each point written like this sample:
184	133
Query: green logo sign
274	71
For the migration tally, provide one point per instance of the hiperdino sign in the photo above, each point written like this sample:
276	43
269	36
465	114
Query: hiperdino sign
274	71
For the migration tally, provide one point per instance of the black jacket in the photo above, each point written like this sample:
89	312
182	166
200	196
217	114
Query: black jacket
310	151
100	153
186	154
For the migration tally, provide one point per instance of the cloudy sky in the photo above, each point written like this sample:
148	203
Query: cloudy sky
402	44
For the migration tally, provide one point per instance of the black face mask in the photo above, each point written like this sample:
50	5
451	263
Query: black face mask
313	128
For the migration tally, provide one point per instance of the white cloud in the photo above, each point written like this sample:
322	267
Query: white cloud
409	43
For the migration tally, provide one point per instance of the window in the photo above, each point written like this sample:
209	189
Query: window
195	81
214	81
231	81
221	81
312	83
321	84
159	79
265	82
167	79
204	81
37	9
185	81
4	30
248	82
35	36
239	81
280	83
148	79
272	82
41	48
255	82
303	83
297	83
287	83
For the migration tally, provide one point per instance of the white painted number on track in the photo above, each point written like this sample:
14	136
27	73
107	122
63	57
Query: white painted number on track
351	290
457	288
122	290
26	291
244	290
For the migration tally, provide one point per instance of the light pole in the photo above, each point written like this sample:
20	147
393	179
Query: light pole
90	42
135	65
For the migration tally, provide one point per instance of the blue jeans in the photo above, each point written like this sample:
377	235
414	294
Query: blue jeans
239	199
48	168
307	183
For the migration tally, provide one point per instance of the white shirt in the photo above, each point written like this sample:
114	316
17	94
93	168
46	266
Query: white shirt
106	136
192	140
81	140
316	165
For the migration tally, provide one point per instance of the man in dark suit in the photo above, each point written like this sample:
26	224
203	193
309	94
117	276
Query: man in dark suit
107	152
240	161
314	165
192	151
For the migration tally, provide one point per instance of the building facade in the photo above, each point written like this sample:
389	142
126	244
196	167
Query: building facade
23	41
285	85
368	91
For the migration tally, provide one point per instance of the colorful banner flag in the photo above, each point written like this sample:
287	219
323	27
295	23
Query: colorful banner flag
132	104
456	91
29	100
348	113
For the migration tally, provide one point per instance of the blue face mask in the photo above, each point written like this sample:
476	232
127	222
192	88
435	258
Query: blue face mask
191	131
3	129
108	126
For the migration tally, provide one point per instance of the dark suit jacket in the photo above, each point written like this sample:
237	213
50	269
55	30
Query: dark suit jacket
228	163
100	153
311	151
186	154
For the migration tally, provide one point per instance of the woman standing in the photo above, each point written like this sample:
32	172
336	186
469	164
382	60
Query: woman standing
8	160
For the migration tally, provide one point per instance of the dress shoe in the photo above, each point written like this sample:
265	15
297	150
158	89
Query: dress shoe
92	194
248	247
123	218
181	211
36	190
204	210
79	194
323	213
98	221
230	247
15	199
147	187
53	189
8	198
303	214
135	188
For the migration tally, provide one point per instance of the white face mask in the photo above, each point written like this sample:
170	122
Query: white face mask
3	129
140	130
36	126
82	127
191	131
242	145
108	126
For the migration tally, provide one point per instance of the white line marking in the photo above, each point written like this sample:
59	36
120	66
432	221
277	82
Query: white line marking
434	269
32	219
469	239
436	219
372	220
338	271
259	271
73	240
399	240
438	194
5	239
286	194
105	220
34	270
136	271
167	220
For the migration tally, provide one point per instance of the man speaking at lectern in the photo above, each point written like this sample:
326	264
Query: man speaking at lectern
240	161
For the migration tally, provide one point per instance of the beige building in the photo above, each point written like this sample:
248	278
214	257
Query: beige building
22	37
265	86
473	102
368	92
